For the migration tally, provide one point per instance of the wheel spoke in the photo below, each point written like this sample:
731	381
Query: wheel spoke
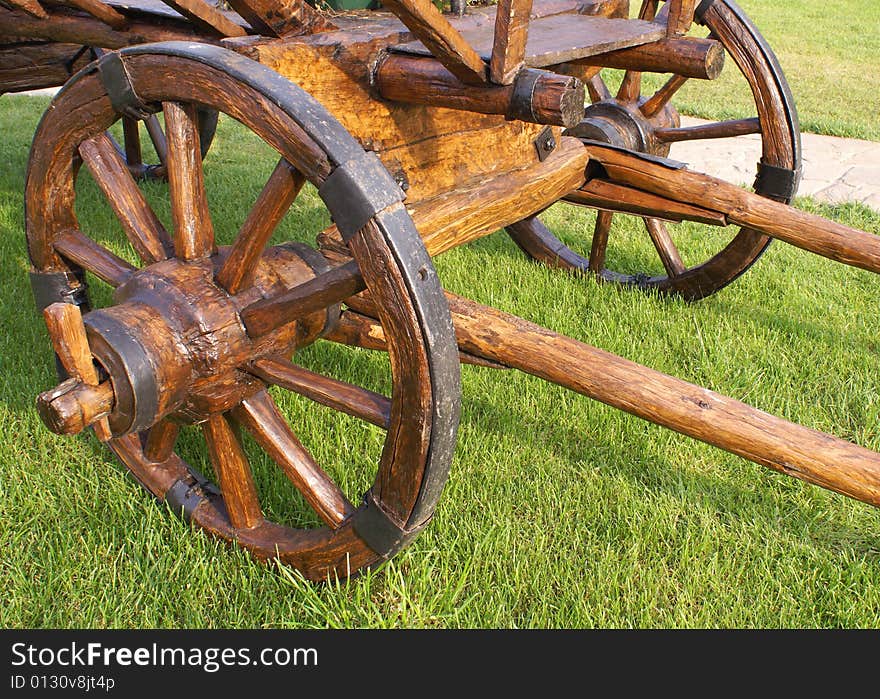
233	472
193	230
261	417
157	136
345	397
597	89
666	249
278	194
161	440
95	258
661	98
630	86
317	293
719	129
600	240
141	225
132	136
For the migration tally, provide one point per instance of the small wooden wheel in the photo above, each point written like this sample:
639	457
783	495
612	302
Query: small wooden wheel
650	125
173	348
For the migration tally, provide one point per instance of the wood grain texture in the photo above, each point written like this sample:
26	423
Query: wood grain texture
64	26
282	17
272	204
601	194
161	440
553	99
193	229
325	290
467	214
101	11
86	253
509	40
689	57
443	42
233	473
37	64
72	406
724	422
68	335
261	417
31	7
561	38
341	396
142	227
744	208
207	17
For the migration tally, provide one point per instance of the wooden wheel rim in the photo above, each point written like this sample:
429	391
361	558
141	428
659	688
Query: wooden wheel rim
781	148
395	266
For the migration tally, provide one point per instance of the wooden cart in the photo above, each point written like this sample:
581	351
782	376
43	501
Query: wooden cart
421	131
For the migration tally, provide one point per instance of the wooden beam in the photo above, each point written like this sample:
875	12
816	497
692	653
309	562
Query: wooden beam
282	17
509	44
550	98
688	57
99	10
424	20
205	16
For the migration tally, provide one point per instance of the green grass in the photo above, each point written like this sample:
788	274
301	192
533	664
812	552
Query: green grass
828	51
559	512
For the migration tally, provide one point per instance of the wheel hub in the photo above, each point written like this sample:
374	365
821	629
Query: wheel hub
174	342
623	125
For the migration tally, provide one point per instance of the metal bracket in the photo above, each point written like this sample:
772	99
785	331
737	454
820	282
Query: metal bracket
523	92
381	533
779	183
64	287
545	143
117	83
357	190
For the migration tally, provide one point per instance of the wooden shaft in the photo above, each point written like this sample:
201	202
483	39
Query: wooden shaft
681	406
73	405
325	290
509	41
64	27
99	10
688	57
743	208
539	97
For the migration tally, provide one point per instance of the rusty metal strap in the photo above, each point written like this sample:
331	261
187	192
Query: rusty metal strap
55	287
779	183
381	533
357	190
117	83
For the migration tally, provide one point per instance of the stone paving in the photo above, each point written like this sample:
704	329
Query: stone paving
835	170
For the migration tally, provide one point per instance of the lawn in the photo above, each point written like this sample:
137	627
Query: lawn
559	511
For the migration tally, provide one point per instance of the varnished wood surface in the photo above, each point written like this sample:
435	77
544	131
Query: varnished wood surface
560	38
509	40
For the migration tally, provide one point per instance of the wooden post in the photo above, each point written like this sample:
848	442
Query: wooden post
689	57
509	44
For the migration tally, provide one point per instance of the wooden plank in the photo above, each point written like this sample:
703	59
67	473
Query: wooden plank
31	7
34	65
205	17
99	10
561	38
509	43
282	17
442	40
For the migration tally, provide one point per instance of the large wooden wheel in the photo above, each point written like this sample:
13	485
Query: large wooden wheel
173	349
651	124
